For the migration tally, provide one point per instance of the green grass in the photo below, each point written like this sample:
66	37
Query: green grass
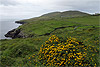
15	52
89	20
42	27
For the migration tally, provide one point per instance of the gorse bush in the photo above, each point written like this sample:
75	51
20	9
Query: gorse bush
69	52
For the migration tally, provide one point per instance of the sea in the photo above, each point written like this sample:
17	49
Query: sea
7	25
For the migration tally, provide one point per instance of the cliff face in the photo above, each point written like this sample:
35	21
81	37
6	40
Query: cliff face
16	33
13	33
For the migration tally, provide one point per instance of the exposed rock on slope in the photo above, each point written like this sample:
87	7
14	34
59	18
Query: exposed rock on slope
16	33
19	22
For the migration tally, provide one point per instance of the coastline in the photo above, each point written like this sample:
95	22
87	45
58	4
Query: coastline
15	33
6	26
20	22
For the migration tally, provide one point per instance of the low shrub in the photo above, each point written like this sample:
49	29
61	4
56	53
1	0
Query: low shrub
70	52
6	61
20	50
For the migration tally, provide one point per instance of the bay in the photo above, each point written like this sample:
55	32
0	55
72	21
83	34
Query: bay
7	25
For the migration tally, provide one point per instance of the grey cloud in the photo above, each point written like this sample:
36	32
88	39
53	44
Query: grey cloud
86	5
34	8
8	2
90	6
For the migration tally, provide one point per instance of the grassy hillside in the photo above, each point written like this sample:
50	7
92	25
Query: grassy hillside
17	52
42	27
57	15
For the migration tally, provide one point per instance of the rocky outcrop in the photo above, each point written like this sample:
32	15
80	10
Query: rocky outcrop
17	33
20	22
13	33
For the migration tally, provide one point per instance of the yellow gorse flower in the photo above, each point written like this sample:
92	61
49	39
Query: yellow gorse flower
71	52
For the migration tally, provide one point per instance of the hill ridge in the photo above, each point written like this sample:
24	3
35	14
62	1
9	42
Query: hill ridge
55	15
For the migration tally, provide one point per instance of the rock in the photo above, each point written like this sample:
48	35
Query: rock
17	33
13	33
20	22
75	27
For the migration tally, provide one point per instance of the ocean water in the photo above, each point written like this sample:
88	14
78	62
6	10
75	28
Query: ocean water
7	25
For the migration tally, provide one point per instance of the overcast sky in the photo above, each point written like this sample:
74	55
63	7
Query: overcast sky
22	9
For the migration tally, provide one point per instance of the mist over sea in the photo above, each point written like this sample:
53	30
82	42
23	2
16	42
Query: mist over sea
7	25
